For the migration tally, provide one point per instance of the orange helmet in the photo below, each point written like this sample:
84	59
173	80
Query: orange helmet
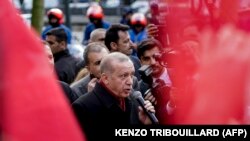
95	12
56	13
138	19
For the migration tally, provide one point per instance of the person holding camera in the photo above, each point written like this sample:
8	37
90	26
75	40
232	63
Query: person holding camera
157	79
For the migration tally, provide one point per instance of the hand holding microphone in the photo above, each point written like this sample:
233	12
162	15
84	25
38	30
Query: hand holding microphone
146	111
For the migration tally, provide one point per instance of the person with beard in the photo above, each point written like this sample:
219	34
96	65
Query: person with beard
95	15
159	82
55	19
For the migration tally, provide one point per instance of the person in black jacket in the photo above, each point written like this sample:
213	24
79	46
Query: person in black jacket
65	64
69	93
109	105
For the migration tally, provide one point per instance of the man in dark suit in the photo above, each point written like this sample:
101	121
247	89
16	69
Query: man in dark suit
109	104
159	82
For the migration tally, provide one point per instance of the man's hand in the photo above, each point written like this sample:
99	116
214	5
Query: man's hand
143	116
152	31
149	96
91	84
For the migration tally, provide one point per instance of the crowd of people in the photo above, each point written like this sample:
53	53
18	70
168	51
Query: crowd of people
100	87
122	58
126	58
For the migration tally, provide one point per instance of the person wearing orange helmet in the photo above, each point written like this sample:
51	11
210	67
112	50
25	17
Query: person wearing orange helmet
138	23
55	19
95	15
137	33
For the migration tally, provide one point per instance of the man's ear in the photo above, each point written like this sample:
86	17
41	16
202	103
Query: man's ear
104	78
87	67
113	46
63	44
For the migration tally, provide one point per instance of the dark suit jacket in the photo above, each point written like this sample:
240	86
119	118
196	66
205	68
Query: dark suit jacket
137	65
69	93
99	111
143	87
81	86
65	66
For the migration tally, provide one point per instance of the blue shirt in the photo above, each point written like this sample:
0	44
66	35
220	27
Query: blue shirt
90	27
137	38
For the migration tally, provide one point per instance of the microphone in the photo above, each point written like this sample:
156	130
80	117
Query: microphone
138	97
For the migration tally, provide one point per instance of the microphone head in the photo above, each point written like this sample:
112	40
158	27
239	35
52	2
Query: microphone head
136	94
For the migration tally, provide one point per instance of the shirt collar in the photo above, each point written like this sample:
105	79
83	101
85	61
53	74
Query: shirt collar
120	101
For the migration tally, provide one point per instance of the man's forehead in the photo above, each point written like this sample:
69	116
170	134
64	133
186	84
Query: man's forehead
100	35
51	37
152	51
124	66
121	33
96	55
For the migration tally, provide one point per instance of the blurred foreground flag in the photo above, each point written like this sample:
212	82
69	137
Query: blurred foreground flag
218	90
33	106
221	95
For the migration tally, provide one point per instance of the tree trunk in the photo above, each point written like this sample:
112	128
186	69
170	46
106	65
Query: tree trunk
37	15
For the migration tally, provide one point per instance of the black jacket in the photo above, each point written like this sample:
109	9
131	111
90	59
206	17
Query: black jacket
98	111
65	66
81	86
137	65
69	93
143	87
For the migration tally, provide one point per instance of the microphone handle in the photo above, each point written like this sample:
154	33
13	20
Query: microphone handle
151	115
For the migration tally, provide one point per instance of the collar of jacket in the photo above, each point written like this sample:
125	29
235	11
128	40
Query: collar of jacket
61	54
108	100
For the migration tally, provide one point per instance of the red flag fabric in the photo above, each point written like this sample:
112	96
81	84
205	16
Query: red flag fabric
211	71
220	95
33	107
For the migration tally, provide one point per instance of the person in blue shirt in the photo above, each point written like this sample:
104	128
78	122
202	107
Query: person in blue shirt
95	15
55	18
137	30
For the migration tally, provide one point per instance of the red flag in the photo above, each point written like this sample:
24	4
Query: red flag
33	106
211	74
221	93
